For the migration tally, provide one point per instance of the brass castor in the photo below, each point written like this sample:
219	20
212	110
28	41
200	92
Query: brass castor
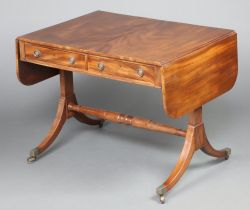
162	199
33	155
228	153
31	159
101	123
161	190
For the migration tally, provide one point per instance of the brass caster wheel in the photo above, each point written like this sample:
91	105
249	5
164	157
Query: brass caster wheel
31	159
228	153
101	123
33	155
162	199
161	190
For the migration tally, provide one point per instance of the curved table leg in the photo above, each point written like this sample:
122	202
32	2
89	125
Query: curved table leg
181	166
85	119
67	96
66	89
55	129
195	139
209	150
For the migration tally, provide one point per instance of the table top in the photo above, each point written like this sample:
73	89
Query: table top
131	38
191	64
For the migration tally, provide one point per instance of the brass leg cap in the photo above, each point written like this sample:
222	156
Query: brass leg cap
228	153
31	159
162	199
33	155
161	190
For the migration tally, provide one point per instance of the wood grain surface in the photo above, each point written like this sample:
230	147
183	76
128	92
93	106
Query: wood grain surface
192	64
197	78
195	139
127	71
116	117
127	37
29	73
53	56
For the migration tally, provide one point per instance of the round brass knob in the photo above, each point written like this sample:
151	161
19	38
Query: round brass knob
72	60
140	72
37	53
101	66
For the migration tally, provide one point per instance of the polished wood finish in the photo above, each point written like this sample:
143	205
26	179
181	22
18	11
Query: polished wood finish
195	139
29	73
83	118
124	71
126	37
63	113
179	58
127	119
53	57
114	69
208	72
191	64
56	126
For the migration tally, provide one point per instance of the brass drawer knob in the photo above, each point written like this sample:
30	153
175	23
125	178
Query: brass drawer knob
72	60
101	66
140	72
37	53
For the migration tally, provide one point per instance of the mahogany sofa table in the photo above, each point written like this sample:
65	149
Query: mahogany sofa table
190	64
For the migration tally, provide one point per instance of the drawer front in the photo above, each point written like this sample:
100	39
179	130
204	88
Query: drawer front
38	54
123	70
